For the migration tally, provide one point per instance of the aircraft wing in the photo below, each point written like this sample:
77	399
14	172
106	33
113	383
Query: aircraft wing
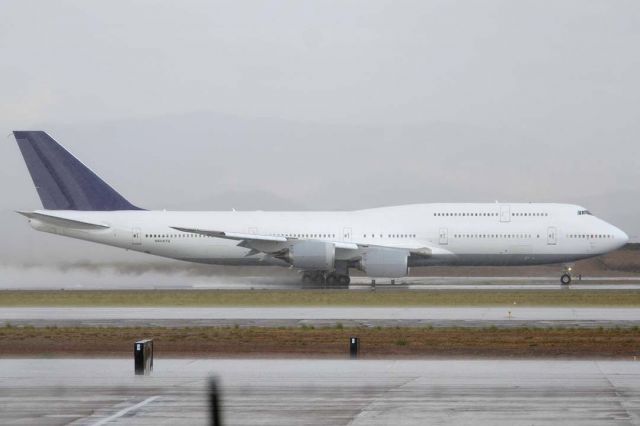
413	249
253	237
232	235
261	242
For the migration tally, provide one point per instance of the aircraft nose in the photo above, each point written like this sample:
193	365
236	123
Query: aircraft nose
620	236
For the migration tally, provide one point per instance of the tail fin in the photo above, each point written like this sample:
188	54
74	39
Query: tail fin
63	182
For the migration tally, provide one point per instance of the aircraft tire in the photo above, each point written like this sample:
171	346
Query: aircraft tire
344	280
565	279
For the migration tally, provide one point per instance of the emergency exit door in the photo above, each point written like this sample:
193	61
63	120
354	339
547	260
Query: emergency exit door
444	236
552	236
136	236
505	213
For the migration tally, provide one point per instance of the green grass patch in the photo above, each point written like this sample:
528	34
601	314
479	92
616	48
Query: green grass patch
320	298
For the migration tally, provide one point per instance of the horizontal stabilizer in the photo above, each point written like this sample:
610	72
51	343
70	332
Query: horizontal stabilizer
58	220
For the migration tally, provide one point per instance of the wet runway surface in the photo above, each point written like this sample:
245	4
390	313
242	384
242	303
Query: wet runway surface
322	392
72	280
508	316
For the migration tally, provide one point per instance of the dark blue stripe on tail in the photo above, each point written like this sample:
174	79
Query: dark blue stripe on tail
63	182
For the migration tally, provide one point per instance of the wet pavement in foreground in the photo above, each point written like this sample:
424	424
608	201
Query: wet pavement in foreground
321	392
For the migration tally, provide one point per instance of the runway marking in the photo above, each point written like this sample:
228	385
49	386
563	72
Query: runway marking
367	413
125	411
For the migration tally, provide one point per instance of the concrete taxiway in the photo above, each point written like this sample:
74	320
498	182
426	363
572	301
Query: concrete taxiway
508	316
321	392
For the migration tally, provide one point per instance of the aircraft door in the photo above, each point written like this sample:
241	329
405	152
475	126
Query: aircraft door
505	213
136	236
444	236
346	234
552	236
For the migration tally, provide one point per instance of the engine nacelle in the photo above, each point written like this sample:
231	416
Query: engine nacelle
385	262
311	255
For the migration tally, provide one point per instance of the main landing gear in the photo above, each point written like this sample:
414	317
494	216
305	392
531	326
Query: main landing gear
319	277
337	279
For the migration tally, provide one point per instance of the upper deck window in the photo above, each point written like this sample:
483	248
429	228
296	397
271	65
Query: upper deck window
584	212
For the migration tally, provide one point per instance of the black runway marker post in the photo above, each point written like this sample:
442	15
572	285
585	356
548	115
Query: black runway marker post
354	347
215	411
143	357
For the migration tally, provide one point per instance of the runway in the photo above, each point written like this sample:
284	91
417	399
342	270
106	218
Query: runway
507	316
322	392
15	278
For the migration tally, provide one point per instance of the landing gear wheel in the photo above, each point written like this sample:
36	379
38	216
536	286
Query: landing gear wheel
306	278
565	279
318	278
331	279
344	280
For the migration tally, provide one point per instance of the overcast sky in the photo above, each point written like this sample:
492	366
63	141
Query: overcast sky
324	105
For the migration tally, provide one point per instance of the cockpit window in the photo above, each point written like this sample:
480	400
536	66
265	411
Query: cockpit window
584	212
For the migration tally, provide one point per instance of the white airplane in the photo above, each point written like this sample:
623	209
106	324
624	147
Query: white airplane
381	242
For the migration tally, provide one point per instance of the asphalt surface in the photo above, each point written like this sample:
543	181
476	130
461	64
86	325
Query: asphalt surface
511	316
321	392
107	279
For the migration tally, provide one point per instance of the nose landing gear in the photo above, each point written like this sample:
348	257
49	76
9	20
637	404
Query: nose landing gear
565	278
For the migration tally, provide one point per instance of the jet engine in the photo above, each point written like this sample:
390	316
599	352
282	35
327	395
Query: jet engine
384	262
310	255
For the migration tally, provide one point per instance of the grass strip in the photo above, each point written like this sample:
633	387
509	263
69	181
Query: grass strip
628	298
323	342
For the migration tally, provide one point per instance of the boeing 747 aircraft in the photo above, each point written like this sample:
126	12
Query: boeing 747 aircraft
323	245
